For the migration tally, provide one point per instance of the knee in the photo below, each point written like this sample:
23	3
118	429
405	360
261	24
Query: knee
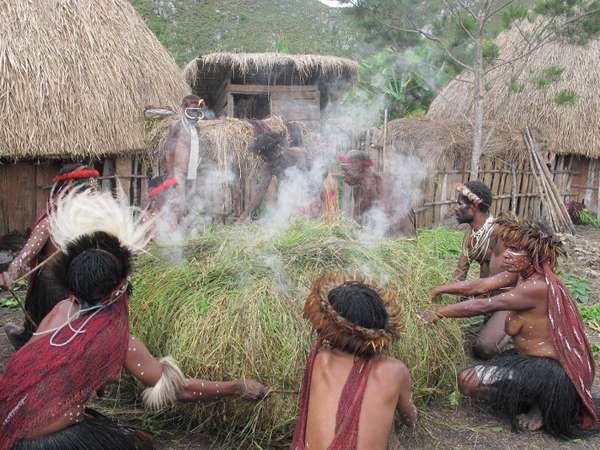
484	349
468	382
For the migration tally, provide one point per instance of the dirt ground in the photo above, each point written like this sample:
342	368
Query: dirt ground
468	426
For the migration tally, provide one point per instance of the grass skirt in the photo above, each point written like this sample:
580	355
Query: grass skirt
95	432
521	382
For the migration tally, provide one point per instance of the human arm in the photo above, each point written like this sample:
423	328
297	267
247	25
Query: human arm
462	268
150	371
34	245
258	193
476	287
523	297
406	407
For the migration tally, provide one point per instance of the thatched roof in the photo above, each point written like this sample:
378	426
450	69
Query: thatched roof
567	128
207	73
438	143
75	77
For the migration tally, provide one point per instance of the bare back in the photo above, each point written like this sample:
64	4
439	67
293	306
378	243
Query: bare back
388	389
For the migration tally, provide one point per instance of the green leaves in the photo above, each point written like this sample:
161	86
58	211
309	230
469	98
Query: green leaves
565	97
580	289
548	76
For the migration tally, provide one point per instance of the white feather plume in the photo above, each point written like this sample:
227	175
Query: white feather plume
164	392
79	212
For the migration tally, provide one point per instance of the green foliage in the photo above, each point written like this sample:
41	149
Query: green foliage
9	302
566	97
454	398
515	85
580	289
490	50
516	11
591	316
589	218
548	76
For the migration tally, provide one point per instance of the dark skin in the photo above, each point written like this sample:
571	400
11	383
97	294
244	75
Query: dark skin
273	167
146	368
527	322
369	189
388	391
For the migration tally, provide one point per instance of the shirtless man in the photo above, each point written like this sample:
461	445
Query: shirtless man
371	190
42	290
85	341
481	244
547	381
182	150
350	392
276	157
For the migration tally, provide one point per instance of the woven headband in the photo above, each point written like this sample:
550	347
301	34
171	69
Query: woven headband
353	161
162	187
77	174
473	198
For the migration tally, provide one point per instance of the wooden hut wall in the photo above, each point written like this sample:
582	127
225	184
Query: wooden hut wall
584	183
24	190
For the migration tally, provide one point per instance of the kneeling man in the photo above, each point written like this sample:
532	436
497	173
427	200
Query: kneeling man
350	392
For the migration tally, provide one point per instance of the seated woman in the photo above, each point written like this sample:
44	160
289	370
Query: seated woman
85	341
546	382
350	391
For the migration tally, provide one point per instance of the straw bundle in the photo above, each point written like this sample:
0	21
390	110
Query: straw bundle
233	308
570	127
75	77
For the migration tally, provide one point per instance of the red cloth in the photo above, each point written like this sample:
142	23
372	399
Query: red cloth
41	382
571	343
349	407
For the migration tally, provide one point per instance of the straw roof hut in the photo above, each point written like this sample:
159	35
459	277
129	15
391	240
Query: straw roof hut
255	85
74	86
554	90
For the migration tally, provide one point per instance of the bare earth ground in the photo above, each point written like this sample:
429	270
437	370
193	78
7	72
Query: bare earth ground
468	426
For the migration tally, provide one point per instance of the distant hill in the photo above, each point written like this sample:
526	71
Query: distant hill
188	28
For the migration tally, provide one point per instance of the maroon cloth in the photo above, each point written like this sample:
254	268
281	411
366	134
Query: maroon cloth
41	382
571	343
349	407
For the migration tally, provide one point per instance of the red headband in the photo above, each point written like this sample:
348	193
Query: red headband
77	174
356	162
162	187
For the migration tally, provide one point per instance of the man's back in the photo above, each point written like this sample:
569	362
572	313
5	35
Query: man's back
388	387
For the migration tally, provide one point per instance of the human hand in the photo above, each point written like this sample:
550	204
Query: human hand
251	389
430	317
6	280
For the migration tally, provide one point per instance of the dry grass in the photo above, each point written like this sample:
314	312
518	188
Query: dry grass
76	76
233	308
567	128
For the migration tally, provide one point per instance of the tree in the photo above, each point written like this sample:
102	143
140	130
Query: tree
464	31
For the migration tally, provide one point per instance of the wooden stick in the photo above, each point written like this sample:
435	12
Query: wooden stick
39	266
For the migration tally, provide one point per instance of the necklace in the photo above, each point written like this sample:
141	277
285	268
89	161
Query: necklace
480	240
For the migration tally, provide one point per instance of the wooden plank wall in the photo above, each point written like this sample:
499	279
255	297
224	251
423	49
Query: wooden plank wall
24	190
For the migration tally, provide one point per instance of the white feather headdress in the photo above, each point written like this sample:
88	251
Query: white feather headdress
79	212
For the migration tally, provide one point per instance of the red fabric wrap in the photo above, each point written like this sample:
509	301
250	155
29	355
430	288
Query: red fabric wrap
83	173
162	187
349	407
41	382
571	343
356	162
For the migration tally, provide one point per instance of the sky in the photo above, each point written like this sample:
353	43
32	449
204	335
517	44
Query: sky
335	4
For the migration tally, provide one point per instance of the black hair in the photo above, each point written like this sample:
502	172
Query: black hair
156	181
92	267
482	191
267	145
189	99
359	304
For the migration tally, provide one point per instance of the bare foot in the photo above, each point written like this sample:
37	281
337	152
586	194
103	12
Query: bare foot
532	421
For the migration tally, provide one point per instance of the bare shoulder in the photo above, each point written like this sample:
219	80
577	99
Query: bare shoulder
391	369
57	315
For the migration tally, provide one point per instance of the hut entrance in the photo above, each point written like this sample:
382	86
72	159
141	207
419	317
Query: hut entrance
251	106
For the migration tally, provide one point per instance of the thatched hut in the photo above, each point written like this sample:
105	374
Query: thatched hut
257	85
74	86
554	90
443	148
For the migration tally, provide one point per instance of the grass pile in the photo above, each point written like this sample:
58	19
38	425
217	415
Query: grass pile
229	305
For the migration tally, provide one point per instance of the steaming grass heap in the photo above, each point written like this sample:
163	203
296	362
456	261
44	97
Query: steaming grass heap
233	308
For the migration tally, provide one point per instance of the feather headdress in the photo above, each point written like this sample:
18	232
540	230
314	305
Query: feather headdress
78	212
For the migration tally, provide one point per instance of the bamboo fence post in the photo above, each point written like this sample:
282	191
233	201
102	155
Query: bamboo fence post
513	190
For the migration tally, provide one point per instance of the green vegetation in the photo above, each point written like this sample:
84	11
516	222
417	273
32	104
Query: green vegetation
580	289
589	218
591	316
566	97
548	76
188	28
235	300
515	85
